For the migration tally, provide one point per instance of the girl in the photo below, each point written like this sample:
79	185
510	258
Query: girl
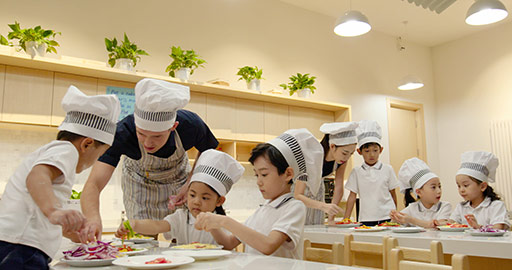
428	211
214	175
276	227
338	143
481	206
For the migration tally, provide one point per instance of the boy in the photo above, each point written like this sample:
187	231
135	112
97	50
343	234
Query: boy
374	181
31	214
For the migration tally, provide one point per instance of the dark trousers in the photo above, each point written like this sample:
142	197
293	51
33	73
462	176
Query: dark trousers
17	256
374	223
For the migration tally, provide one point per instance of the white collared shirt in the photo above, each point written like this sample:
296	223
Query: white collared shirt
182	229
372	184
21	219
284	214
440	210
486	213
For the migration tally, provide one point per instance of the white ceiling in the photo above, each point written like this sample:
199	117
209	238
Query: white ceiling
386	16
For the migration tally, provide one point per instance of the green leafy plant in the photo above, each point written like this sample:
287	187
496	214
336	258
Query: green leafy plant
183	59
248	73
36	34
299	82
127	49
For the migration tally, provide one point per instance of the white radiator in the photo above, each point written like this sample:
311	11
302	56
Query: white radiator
501	142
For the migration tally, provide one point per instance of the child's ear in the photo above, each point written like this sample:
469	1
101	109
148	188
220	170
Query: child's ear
381	148
86	143
418	192
289	173
483	186
220	201
359	151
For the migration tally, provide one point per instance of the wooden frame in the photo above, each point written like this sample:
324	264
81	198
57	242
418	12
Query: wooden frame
351	248
433	255
397	262
333	255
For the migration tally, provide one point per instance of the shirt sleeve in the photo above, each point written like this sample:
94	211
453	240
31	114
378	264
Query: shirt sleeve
194	132
392	181
498	213
445	211
352	182
408	209
291	223
175	220
457	215
63	156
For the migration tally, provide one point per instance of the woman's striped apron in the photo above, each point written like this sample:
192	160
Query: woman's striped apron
148	182
314	216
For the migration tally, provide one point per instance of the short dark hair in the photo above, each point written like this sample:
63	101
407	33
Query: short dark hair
65	135
271	153
367	145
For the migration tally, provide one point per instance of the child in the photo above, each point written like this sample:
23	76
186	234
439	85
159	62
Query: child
481	206
276	227
339	143
428	211
31	214
374	181
214	175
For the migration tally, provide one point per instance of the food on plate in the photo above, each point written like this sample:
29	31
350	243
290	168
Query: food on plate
92	251
389	224
454	225
158	261
363	227
131	234
196	245
346	221
126	248
489	229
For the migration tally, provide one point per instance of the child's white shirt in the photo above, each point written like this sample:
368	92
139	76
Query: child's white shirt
373	184
182	229
284	214
440	210
486	213
21	220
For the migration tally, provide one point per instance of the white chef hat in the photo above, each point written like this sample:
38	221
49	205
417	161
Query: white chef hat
368	131
304	154
218	170
90	116
156	103
414	173
480	165
340	133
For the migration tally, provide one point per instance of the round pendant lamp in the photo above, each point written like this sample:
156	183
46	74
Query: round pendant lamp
352	23
486	12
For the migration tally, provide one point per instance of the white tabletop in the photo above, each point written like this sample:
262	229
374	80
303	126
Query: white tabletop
453	242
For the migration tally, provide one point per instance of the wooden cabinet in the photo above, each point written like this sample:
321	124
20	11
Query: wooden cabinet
197	104
220	116
311	119
277	120
27	96
249	120
62	81
2	79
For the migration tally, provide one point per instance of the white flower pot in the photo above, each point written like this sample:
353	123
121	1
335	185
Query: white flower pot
124	64
183	74
254	85
73	205
33	48
304	93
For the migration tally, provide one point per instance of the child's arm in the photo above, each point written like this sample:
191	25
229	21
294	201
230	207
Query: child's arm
329	208
39	185
407	219
144	226
266	244
350	204
393	195
338	188
228	241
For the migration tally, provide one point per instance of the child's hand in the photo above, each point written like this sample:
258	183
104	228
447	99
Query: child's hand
70	220
208	221
472	221
331	209
399	217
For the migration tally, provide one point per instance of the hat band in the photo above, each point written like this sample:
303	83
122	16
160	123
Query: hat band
90	120
475	167
154	116
217	174
296	151
369	134
344	134
417	177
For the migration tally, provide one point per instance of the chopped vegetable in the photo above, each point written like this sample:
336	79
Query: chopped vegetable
92	251
489	229
131	233
158	261
346	221
75	195
389	224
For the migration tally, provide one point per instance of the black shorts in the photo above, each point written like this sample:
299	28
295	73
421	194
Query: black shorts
18	256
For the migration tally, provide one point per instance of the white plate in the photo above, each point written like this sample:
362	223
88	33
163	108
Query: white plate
199	254
195	249
448	229
87	263
129	253
477	233
137	240
373	229
407	229
139	262
348	225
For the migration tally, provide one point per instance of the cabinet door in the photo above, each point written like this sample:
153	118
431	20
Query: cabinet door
277	120
311	119
197	104
250	119
220	116
62	81
27	95
2	84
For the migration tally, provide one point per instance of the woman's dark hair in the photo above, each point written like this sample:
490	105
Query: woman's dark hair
64	135
325	144
488	192
366	145
408	198
269	151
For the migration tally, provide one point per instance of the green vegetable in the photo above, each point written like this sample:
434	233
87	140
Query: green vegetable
127	225
75	195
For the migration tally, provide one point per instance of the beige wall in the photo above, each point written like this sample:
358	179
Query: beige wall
473	85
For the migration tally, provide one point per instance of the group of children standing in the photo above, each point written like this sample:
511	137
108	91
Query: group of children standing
288	172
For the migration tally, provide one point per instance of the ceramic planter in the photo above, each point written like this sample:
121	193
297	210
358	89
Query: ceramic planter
33	48
183	74
124	64
304	93
254	85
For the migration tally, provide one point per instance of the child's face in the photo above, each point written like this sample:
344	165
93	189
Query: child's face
89	155
430	192
270	183
342	153
370	154
152	141
469	189
201	198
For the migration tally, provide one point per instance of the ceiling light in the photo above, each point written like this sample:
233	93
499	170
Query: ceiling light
486	12
352	23
410	82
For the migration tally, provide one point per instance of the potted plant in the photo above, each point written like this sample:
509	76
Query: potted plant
34	41
124	56
184	63
252	76
302	84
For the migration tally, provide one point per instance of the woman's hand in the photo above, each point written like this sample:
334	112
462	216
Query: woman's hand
331	209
